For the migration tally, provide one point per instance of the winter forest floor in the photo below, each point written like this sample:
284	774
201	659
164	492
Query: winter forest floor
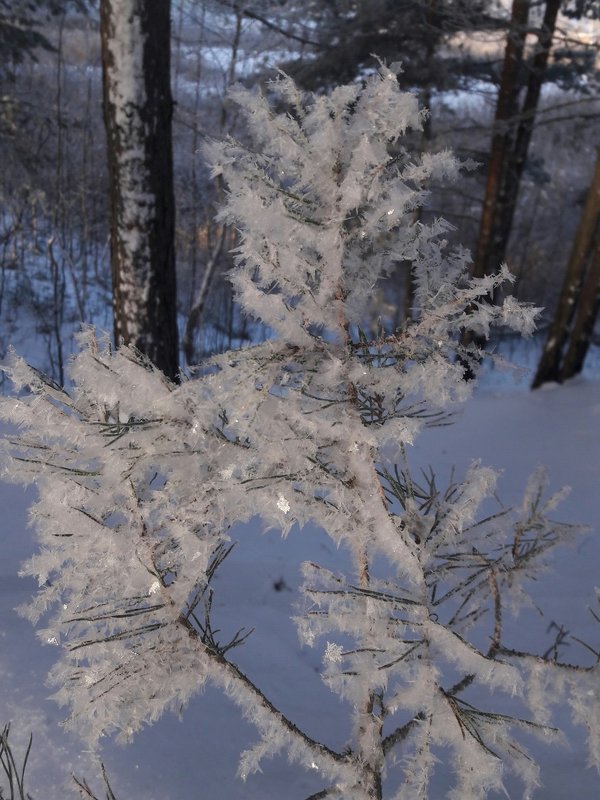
505	426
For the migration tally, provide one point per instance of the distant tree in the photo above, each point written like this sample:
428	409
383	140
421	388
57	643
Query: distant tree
578	9
343	35
585	318
22	33
219	239
20	23
138	109
569	335
513	128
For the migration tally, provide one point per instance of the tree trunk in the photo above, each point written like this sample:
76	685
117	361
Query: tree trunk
138	108
503	142
426	140
198	303
587	311
549	368
516	160
505	124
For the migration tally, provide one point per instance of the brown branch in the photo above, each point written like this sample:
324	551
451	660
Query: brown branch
323	793
508	651
401	733
246	12
497	635
85	790
263	701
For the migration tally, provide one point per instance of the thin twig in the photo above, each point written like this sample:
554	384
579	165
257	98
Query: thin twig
233	671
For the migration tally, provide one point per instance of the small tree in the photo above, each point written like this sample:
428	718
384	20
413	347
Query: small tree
140	480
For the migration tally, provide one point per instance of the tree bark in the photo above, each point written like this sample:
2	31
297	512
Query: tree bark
503	141
426	139
517	158
138	107
549	368
505	125
583	326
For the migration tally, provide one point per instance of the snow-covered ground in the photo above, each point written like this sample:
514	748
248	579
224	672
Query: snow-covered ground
196	756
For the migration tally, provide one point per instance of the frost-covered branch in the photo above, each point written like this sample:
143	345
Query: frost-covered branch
141	482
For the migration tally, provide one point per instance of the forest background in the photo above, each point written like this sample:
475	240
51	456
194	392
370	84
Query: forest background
475	65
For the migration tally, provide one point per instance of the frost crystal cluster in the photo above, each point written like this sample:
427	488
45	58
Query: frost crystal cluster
140	480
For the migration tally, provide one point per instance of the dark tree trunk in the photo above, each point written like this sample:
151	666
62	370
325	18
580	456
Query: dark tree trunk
549	368
503	139
137	110
432	8
585	319
516	160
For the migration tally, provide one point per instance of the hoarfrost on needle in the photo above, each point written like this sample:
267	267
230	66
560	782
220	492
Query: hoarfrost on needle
333	653
283	504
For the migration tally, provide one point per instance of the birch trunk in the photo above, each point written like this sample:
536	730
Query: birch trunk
138	108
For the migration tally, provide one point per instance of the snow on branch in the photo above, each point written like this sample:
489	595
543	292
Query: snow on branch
140	481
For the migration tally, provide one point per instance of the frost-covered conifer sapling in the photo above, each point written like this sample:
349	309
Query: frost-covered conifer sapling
140	480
